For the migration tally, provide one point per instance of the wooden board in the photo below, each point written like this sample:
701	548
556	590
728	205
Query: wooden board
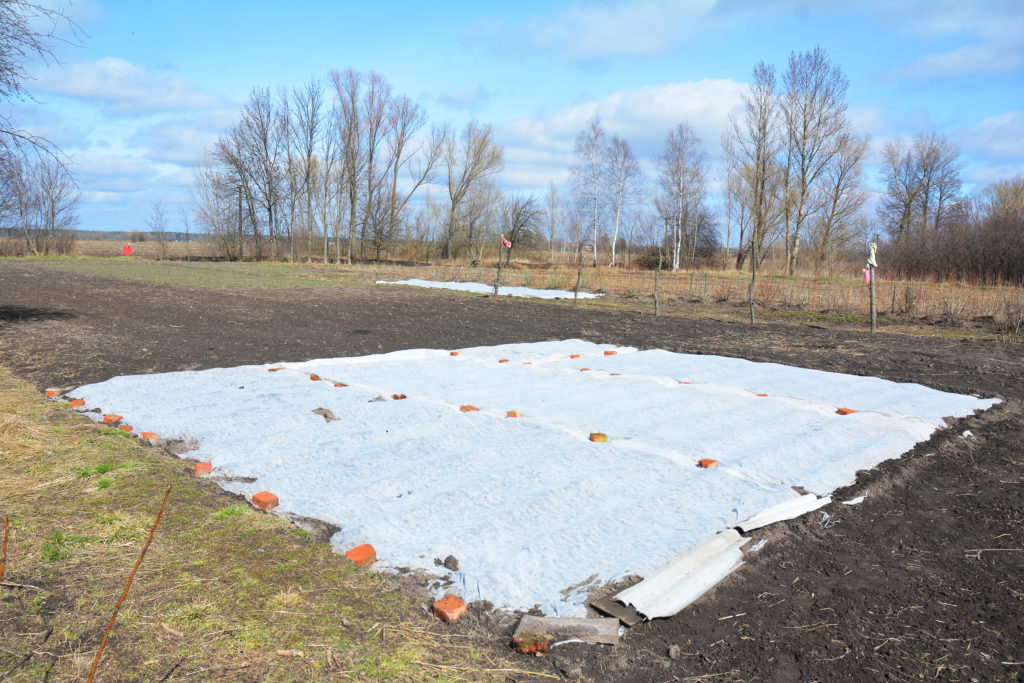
624	613
599	630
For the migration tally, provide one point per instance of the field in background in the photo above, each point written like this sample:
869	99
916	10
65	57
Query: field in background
998	308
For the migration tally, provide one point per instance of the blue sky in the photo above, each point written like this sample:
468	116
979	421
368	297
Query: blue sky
150	85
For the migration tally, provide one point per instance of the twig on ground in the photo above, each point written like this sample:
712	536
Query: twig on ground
3	555
131	577
11	584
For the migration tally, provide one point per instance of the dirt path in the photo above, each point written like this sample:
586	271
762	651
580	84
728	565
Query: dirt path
893	588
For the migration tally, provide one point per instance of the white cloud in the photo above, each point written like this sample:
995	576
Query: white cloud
992	30
466	96
124	88
587	31
181	140
540	149
997	137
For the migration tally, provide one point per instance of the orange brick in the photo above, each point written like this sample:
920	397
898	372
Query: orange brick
397	397
265	500
453	353
53	392
527	362
531	643
762	395
77	403
681	382
125	428
315	377
363	555
598	437
339	384
610	353
615	374
111	419
274	369
149	435
845	411
468	409
574	355
584	369
503	360
449	608
513	413
202	468
707	463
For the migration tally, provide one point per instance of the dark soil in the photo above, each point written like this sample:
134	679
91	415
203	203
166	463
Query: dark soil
923	580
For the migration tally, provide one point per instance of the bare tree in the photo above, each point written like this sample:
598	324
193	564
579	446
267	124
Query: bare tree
922	181
213	206
27	32
44	204
304	138
757	142
157	224
470	157
519	216
624	178
553	213
840	196
256	150
405	119
588	173
813	105
348	86
682	198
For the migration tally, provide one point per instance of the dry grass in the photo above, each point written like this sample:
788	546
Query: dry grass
222	593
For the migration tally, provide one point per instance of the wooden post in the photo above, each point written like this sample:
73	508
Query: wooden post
872	264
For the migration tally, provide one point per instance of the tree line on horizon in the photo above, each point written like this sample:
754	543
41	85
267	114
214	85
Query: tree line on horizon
346	169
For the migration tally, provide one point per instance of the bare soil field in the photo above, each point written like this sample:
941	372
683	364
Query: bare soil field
923	580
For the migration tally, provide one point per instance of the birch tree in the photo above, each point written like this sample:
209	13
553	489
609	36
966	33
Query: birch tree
682	183
588	174
624	177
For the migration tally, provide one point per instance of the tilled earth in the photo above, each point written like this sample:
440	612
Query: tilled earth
923	580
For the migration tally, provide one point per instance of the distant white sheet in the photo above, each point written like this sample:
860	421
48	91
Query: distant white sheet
478	288
530	506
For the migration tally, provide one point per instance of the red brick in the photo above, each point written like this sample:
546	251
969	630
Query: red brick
707	463
610	353
513	413
681	382
363	555
77	403
265	500
398	397
615	374
202	468
111	419
53	393
762	395
468	409
125	428
453	353
274	369
845	411
315	377
598	437
574	355
503	360
531	643
584	369
339	384
149	435
449	608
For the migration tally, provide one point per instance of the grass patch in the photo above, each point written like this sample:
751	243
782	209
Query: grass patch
222	590
215	276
